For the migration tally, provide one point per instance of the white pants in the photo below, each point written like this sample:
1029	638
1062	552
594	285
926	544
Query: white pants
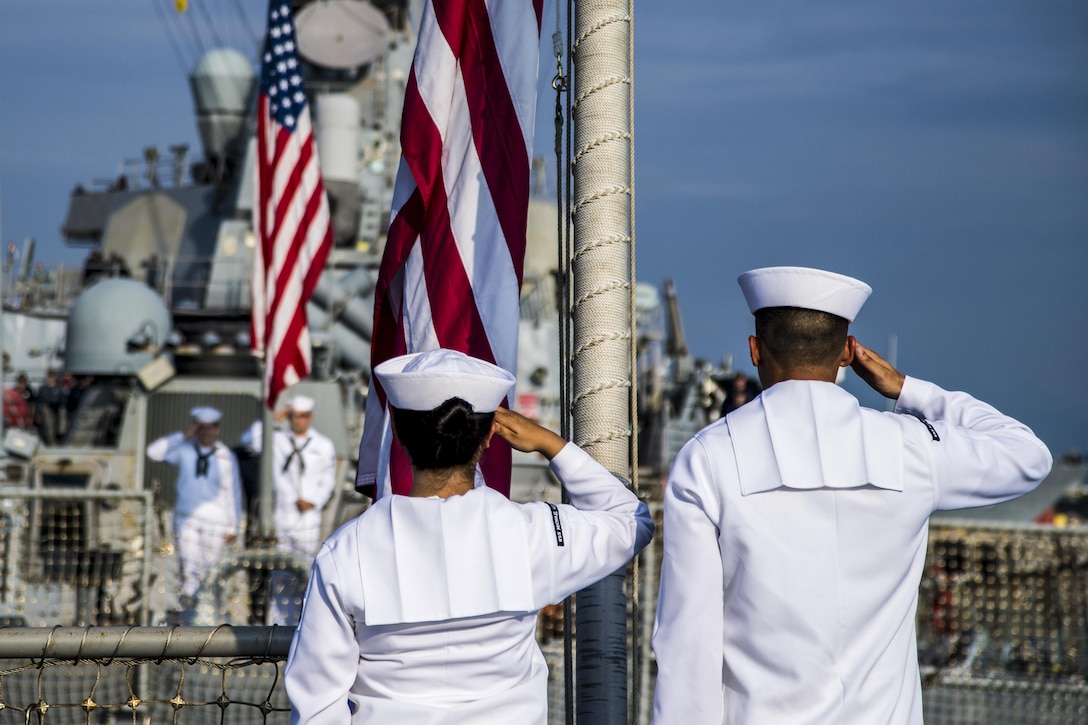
200	547
285	588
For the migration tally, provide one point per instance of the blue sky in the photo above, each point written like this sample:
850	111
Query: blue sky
936	150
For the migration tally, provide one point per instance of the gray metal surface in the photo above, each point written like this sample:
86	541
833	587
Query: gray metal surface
144	642
115	328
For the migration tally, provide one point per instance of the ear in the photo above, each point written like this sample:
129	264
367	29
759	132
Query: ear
848	351
490	433
753	349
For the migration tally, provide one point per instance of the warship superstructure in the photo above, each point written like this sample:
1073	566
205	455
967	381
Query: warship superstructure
157	322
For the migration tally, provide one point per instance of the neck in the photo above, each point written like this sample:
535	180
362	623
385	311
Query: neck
443	482
775	374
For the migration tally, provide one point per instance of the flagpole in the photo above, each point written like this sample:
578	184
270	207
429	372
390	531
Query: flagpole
285	277
3	367
602	363
266	528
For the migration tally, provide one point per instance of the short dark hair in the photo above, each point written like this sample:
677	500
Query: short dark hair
446	437
796	336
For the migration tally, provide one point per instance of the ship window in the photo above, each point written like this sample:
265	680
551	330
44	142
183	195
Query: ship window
65	480
97	421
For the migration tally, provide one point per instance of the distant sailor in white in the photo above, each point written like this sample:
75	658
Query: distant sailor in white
424	609
304	477
208	511
795	528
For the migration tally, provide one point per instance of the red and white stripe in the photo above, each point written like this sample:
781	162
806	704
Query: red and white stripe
451	271
294	237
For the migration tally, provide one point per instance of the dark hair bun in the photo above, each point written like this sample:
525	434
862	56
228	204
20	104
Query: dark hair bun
452	418
450	435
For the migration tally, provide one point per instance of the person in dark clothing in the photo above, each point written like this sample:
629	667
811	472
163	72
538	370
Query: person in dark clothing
118	267
738	390
22	387
51	401
152	271
94	268
75	395
16	414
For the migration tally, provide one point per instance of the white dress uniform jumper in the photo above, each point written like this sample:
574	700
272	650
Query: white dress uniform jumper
302	468
423	610
208	507
795	533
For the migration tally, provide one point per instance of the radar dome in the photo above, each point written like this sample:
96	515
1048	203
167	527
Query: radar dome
342	34
222	83
113	328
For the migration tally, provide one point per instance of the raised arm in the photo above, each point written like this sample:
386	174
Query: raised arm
167	449
604	526
979	455
983	457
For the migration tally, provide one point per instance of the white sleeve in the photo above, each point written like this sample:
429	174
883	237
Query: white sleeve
324	657
689	629
236	492
327	478
167	448
982	457
253	437
574	545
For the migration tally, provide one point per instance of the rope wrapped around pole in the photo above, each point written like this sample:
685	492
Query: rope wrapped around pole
601	358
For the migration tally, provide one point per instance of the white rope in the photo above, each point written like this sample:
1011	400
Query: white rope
602	214
601	314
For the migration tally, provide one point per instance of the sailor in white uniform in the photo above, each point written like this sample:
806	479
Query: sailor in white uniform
208	511
304	477
424	609
796	527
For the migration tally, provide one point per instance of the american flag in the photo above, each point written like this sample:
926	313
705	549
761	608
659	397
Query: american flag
291	214
451	272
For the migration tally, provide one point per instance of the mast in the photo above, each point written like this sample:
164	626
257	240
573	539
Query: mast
602	359
3	342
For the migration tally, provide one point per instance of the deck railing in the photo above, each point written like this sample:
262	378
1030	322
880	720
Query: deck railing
1002	631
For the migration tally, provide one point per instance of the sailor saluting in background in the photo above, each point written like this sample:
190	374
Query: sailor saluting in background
304	473
796	527
208	511
424	608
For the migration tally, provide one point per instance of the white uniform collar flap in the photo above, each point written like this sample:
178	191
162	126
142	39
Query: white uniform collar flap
462	556
807	435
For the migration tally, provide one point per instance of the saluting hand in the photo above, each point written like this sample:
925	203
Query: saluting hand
877	372
524	435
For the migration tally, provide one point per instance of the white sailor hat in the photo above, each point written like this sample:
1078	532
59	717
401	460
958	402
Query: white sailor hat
425	380
206	415
810	289
301	404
